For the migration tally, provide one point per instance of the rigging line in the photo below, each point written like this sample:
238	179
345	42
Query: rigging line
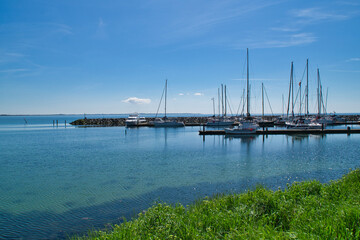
228	101
241	99
230	106
322	102
303	74
268	101
160	102
243	108
297	95
291	78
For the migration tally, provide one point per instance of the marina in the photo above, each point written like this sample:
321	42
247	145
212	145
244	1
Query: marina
79	178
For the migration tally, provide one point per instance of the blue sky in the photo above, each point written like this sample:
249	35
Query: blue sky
114	56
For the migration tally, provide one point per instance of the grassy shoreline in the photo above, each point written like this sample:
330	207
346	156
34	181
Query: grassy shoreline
305	210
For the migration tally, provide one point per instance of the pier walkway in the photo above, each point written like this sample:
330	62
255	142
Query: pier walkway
289	131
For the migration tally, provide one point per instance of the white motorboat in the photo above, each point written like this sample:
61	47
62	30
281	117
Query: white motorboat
134	120
244	128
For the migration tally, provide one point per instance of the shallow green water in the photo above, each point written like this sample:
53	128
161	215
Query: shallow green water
59	181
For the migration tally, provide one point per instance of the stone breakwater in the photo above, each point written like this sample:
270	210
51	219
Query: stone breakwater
189	121
112	122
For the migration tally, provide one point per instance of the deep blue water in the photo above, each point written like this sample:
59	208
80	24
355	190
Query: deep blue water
58	181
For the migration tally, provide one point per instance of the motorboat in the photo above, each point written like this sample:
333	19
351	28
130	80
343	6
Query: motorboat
244	128
134	120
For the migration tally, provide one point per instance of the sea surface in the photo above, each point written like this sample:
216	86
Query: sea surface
57	180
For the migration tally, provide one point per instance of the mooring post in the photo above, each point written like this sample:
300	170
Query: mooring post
322	127
203	127
65	123
57	123
53	123
348	130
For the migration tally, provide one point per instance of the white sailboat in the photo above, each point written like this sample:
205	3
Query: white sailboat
220	121
247	126
300	122
165	122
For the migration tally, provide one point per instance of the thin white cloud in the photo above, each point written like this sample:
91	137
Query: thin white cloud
291	40
353	60
181	94
345	71
135	100
61	28
255	79
198	94
284	29
14	70
195	21
312	15
101	29
12	54
101	23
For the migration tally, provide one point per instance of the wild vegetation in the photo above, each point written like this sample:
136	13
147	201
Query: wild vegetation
304	210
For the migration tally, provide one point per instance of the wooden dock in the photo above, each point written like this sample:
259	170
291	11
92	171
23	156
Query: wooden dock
289	131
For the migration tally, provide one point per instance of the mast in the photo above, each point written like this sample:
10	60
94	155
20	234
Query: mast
225	99
247	84
282	103
292	89
213	99
307	88
222	100
165	95
318	92
262	97
219	100
288	105
300	98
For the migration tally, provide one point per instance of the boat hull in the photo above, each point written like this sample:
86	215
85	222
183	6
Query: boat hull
219	124
169	124
240	132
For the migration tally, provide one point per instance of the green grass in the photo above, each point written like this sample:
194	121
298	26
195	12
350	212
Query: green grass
305	210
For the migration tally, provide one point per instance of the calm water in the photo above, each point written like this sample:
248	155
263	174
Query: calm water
57	181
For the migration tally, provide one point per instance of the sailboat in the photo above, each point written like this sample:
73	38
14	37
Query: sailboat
247	126
165	122
220	121
264	122
299	122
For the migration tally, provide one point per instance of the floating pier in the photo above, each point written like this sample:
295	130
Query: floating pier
289	131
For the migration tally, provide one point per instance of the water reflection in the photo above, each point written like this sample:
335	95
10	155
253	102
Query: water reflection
122	173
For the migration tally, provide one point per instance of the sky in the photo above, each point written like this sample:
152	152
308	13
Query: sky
113	56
